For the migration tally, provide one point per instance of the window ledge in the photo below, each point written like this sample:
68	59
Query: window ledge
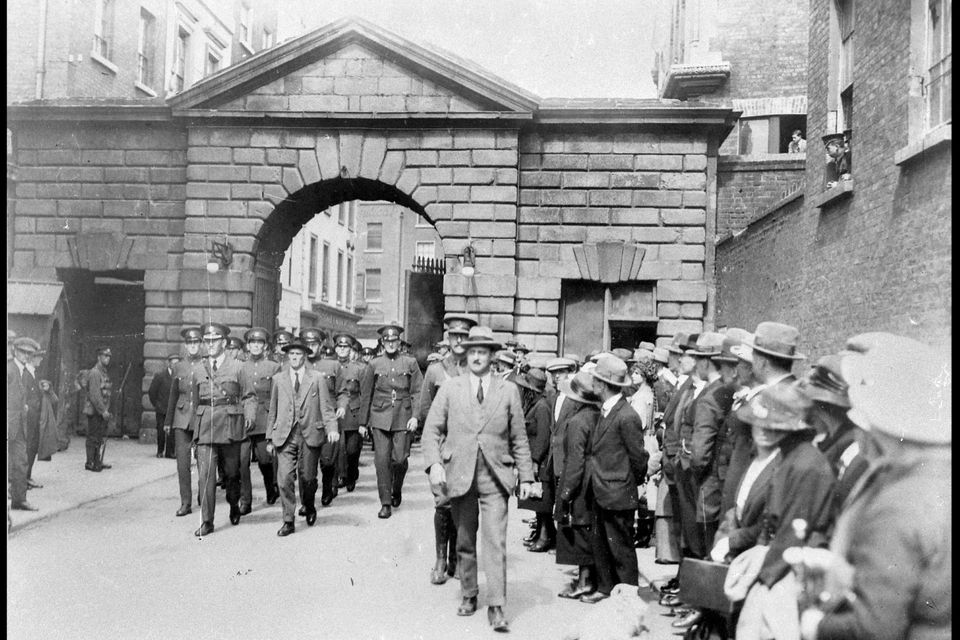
843	189
247	46
144	88
940	135
112	68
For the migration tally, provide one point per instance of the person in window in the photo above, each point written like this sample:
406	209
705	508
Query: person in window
797	143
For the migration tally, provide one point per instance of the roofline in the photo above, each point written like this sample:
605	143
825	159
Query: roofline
89	112
348	118
242	77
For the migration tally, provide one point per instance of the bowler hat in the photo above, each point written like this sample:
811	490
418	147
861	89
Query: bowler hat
708	345
534	379
191	333
902	388
776	339
612	370
214	330
779	408
295	344
27	345
661	355
312	334
559	364
481	336
390	331
579	388
460	322
824	382
506	357
256	333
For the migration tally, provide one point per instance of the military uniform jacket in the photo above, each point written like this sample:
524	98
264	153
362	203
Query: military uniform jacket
99	390
221	396
258	375
348	394
709	411
617	462
310	410
182	406
437	373
459	429
390	392
328	370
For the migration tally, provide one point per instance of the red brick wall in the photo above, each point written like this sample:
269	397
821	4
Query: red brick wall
748	186
879	260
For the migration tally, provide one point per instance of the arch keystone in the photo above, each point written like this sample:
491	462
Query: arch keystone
374	149
328	156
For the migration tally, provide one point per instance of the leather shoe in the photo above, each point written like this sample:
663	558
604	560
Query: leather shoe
23	506
104	465
326	498
205	528
351	486
397	498
302	511
468	607
183	511
311	518
669	600
341	483
497	620
595	597
92	467
541	546
234	514
159	454
573	592
438	576
385	511
286	529
245	509
33	485
688	620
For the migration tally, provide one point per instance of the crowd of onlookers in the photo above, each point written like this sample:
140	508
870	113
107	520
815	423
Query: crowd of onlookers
821	494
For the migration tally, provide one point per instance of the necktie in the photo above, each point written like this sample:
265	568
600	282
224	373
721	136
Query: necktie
214	364
296	385
480	392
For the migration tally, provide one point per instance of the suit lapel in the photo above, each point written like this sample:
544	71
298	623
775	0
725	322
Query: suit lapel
491	400
308	377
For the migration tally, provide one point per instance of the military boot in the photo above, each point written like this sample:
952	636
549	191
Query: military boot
326	492
92	457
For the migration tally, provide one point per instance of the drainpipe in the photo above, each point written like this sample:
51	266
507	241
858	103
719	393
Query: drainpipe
41	50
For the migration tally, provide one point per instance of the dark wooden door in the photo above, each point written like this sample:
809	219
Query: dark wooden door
424	313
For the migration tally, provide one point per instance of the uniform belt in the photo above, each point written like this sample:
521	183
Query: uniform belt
216	402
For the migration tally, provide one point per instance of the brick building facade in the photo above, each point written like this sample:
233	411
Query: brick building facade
873	253
557	198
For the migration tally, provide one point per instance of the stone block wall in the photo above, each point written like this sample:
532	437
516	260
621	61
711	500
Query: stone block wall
633	186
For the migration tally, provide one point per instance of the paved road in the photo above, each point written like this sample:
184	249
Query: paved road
125	567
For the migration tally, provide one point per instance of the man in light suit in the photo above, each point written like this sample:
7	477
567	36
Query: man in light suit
302	417
481	418
616	465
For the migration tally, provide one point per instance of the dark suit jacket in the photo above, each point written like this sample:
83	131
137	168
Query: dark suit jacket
617	462
572	490
312	408
459	428
745	530
21	403
709	411
671	431
553	464
159	392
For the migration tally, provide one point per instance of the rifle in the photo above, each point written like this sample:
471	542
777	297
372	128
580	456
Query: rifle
113	418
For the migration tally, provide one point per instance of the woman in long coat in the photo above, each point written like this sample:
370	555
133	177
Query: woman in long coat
572	512
538	419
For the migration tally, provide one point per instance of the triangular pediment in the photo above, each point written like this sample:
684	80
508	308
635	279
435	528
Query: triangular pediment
353	66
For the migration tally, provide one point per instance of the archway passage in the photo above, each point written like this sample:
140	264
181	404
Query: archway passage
325	254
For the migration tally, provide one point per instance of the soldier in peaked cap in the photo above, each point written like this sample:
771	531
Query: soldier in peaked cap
221	423
97	408
367	354
235	348
313	339
257	373
452	365
281	338
181	412
389	405
348	415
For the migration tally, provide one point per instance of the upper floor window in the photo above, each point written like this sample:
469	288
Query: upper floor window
340	276
212	62
426	250
327	267
375	235
268	38
372	285
348	276
312	280
103	29
939	76
246	21
840	76
146	47
181	47
342	213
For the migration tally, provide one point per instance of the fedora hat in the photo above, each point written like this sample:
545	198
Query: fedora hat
506	357
679	338
708	345
779	408
612	370
649	346
900	387
732	342
661	355
623	354
643	355
777	340
481	336
579	388
533	379
824	382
